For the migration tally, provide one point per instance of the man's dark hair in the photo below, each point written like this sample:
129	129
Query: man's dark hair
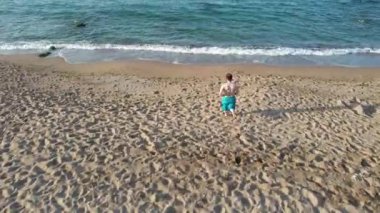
229	76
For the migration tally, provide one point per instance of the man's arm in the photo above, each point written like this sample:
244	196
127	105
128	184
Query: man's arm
237	86
237	89
221	90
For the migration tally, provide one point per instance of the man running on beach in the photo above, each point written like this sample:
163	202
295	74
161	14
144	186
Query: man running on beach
228	91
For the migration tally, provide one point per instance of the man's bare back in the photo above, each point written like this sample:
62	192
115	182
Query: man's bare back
228	91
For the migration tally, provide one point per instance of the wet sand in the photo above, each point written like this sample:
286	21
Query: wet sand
143	136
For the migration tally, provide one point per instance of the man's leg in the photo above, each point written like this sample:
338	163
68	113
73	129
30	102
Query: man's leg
233	112
224	109
231	108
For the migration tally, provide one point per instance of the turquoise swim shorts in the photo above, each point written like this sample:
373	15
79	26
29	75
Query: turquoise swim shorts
228	103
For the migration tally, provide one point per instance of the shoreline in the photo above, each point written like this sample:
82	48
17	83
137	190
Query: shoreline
278	56
163	69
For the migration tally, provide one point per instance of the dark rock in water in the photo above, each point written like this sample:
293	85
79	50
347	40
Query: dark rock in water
81	24
45	54
237	160
52	48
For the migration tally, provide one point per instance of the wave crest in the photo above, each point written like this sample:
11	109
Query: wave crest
279	51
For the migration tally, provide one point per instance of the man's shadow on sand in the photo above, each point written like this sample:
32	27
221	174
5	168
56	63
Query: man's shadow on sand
368	110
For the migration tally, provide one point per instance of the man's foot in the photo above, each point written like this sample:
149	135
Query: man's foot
233	113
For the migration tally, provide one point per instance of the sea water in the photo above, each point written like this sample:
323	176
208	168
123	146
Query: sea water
279	32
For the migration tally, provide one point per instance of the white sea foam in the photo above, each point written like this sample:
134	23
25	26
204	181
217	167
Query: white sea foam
244	51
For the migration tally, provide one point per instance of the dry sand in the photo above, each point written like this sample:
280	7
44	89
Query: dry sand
146	136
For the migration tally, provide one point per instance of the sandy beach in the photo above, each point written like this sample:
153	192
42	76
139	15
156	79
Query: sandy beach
133	136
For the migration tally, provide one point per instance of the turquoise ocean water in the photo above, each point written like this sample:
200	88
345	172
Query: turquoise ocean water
280	32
